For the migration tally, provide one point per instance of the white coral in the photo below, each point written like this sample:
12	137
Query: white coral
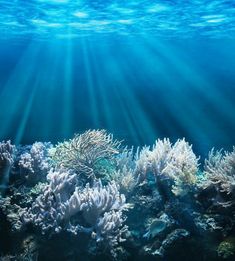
125	178
34	161
219	170
101	207
6	153
142	161
176	162
49	208
182	166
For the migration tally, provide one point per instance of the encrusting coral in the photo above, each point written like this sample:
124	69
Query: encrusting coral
145	203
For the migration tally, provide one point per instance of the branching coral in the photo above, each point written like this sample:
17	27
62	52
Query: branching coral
97	210
226	248
220	171
124	170
78	191
125	178
12	213
34	161
125	159
84	151
6	154
176	162
48	210
217	185
182	167
143	163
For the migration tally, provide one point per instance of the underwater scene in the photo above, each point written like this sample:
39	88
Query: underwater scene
117	130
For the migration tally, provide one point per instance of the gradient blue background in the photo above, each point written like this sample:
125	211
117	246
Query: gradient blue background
138	86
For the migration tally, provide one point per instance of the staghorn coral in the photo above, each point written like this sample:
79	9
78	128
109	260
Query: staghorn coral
83	152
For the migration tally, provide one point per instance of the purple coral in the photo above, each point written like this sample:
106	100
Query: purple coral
34	161
101	208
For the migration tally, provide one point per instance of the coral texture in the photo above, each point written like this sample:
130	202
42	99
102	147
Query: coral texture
34	161
84	151
175	162
101	208
6	153
220	170
113	203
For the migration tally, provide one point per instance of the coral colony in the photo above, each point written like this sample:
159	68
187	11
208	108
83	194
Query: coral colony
99	199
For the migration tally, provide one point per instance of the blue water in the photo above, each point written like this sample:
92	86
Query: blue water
66	18
140	69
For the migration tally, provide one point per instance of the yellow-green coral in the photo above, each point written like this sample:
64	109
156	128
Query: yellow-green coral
85	151
226	248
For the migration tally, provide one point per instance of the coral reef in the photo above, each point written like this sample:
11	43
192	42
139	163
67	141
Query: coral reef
7	151
34	161
226	248
85	151
90	197
176	163
100	206
220	172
